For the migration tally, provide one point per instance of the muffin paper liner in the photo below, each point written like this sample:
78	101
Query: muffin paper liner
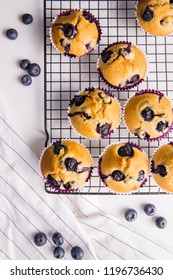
66	12
127	87
159	36
152	166
101	175
150	91
112	131
56	189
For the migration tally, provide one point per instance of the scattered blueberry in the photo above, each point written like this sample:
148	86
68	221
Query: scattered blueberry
88	16
67	48
26	80
24	63
161	126
58	252
171	2
118	175
12	34
134	79
34	69
67	186
103	130
147	14
40	239
71	164
161	169
141	175
126	151
57	148
130	215
27	19
79	99
69	30
161	222
77	253
52	181
106	56
150	209
147	114
57	238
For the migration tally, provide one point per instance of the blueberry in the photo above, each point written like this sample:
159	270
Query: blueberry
27	19
126	151
79	99
77	253
52	181
118	175
141	175
134	79
71	164
103	130
67	186
147	114
57	238
24	63
161	222
147	14
26	80
12	34
130	215
58	252
161	126
106	55
171	2
67	48
34	69
150	209
69	30
40	239
88	16
57	147
161	169
88	47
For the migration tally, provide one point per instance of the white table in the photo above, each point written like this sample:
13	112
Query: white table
26	105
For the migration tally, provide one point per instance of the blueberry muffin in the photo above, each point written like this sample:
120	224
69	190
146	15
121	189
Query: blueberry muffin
148	114
123	167
162	167
94	113
156	16
122	65
66	165
75	33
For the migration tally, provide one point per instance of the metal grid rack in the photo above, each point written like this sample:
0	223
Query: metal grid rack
65	76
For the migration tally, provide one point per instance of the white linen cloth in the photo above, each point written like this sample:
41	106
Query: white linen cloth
25	209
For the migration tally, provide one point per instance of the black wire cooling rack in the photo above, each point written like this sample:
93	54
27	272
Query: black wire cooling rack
65	76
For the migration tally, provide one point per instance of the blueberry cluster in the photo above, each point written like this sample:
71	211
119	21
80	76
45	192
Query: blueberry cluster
33	70
40	239
150	210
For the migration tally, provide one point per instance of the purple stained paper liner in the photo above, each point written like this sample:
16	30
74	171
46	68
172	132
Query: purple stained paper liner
103	179
58	189
117	87
110	132
68	12
160	94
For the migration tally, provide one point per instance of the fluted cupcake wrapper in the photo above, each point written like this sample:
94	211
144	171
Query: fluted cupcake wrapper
101	137
68	12
152	167
149	91
58	189
102	177
125	87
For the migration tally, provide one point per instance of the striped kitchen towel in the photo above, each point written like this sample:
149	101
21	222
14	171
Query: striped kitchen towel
25	209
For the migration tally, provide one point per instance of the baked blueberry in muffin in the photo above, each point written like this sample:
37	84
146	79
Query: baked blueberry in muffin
66	165
75	33
123	167
94	113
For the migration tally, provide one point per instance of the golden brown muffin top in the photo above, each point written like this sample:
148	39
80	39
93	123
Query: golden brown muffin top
75	33
148	115
124	167
156	16
122	65
66	162
162	167
94	113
